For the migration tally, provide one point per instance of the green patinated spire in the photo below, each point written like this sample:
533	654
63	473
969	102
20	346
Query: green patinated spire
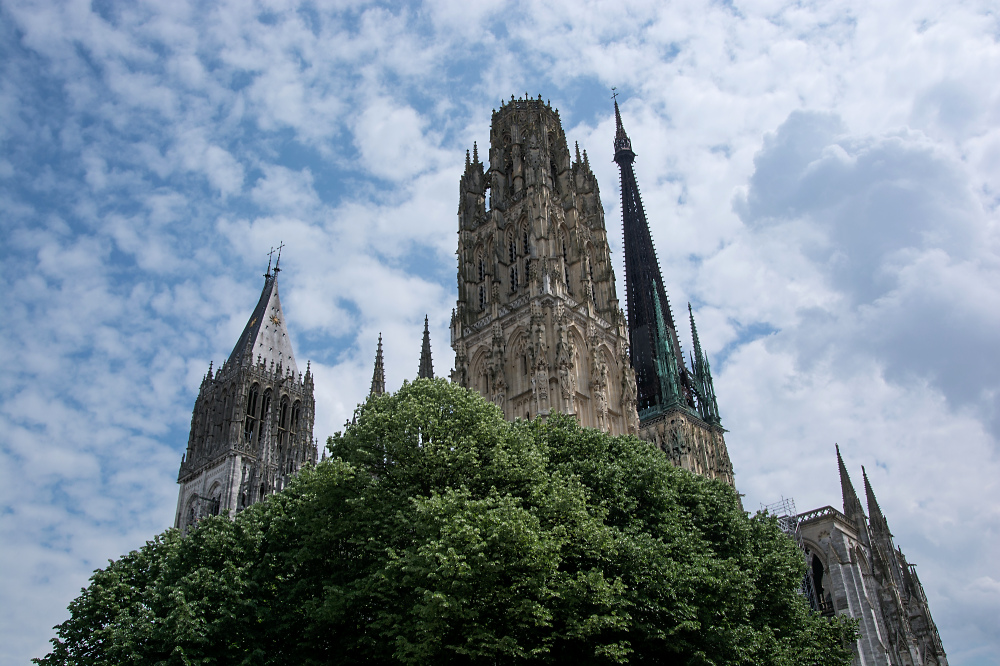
667	366
708	407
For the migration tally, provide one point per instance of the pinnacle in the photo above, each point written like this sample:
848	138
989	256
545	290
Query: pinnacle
378	377
426	370
475	153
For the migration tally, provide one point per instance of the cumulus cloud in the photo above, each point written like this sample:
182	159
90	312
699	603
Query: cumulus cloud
893	226
821	181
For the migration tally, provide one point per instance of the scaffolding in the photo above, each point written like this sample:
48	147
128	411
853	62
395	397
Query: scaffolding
788	522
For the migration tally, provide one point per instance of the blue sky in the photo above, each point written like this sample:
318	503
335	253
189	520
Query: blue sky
821	178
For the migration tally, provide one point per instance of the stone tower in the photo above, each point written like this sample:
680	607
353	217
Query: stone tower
537	326
252	426
854	569
677	407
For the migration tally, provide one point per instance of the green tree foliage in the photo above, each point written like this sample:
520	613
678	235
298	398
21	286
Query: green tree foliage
440	533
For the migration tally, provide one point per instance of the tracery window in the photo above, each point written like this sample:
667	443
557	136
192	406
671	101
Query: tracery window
513	278
265	406
250	424
482	297
283	414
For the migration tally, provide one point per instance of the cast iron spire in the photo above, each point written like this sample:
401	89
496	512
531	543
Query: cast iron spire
426	370
654	350
378	377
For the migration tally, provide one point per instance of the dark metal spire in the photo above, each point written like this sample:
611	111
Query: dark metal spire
378	377
652	333
426	370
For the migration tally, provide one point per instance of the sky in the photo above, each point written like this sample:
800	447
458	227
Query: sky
821	179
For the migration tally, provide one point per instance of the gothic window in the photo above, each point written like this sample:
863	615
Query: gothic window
265	406
526	248
294	426
513	278
512	245
250	425
283	414
482	268
482	297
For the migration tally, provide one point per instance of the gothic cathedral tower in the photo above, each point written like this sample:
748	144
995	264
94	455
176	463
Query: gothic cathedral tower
677	407
252	427
537	326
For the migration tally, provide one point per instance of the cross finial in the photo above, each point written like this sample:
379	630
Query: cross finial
278	260
270	256
614	93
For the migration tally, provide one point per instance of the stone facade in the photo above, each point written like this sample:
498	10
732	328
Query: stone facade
691	443
537	326
252	426
854	569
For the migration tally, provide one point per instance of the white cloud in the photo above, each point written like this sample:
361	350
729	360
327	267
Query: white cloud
151	154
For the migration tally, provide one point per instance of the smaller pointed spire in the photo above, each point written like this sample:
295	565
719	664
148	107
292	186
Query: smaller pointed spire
694	336
852	505
586	161
577	144
875	517
708	405
468	162
475	153
378	377
426	370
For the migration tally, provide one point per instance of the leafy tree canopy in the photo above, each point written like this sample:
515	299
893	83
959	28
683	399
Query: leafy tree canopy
440	533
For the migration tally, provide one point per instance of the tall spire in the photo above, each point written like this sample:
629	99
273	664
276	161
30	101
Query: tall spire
708	406
876	519
426	370
649	337
378	377
852	505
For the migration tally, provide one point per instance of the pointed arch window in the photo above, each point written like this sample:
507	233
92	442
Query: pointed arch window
250	423
482	297
482	268
512	247
513	278
284	412
525	247
265	407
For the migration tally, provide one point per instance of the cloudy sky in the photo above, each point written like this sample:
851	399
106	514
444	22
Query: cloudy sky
822	181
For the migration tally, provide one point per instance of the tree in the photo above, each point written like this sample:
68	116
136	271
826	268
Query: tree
440	533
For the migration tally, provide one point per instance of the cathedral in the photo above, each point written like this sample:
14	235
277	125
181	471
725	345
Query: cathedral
537	328
855	569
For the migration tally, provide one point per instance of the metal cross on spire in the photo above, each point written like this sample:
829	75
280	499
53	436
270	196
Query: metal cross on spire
270	256
278	261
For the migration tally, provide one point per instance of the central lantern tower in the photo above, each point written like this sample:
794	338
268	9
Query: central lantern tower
538	326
